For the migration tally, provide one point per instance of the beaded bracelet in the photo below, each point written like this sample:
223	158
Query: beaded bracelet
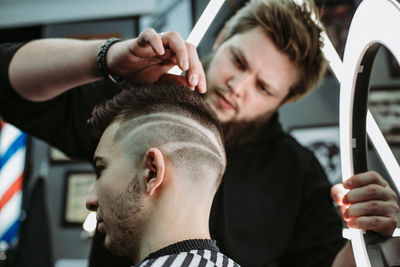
101	60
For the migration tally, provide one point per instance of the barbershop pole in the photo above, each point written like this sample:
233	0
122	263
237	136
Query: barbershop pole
12	165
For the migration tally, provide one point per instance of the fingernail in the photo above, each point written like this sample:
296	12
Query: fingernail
345	201
194	80
202	86
184	64
161	50
348	183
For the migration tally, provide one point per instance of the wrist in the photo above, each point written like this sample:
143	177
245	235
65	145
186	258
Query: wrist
102	62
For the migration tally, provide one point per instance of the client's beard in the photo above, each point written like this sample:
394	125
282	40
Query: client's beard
128	221
242	132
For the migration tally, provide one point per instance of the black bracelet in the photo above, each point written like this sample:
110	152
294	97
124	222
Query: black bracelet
101	60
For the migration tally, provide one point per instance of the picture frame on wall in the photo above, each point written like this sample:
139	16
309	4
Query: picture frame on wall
78	186
323	141
56	156
384	104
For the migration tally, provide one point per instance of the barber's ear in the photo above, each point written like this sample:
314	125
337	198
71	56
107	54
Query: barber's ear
156	169
220	38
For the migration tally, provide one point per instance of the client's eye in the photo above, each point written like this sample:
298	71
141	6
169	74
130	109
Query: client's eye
99	169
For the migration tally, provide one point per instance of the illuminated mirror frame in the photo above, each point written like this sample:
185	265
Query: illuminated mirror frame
201	27
374	23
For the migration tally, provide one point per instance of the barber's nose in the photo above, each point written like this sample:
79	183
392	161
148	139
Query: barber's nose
238	84
92	202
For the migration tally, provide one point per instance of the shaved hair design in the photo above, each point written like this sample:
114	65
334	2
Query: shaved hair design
170	117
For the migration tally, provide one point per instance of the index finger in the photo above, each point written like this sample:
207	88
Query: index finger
152	38
195	74
362	179
177	45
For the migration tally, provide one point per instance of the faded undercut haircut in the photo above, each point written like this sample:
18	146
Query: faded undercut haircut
293	27
170	117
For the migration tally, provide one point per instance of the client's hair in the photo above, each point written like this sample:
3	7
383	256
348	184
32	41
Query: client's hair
170	117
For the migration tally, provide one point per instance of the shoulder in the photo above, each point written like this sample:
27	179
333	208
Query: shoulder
286	148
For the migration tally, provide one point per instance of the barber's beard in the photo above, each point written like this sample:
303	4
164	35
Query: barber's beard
239	132
242	132
127	226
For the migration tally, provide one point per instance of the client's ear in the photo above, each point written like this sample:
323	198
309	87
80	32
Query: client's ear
156	169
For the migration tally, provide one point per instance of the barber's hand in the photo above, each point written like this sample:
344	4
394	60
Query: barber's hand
370	204
146	58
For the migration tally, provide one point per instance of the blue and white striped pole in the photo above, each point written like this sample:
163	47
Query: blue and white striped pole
12	164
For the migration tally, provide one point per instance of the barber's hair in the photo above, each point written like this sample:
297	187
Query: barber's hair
293	29
170	117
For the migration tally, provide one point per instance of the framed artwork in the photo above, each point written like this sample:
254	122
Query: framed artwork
78	186
384	104
56	156
323	141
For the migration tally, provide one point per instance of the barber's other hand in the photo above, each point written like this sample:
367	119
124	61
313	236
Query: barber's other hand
146	58
370	204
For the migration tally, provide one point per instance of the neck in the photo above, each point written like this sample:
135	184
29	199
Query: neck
173	220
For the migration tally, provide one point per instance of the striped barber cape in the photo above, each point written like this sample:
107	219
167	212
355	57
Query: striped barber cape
193	258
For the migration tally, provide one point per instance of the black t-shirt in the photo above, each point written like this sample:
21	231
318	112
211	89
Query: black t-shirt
274	203
273	206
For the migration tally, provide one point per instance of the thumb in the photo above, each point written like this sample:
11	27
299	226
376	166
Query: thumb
337	193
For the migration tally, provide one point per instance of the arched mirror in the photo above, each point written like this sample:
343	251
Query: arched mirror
373	26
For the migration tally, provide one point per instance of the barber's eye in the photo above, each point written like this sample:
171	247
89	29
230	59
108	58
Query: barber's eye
237	61
263	89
